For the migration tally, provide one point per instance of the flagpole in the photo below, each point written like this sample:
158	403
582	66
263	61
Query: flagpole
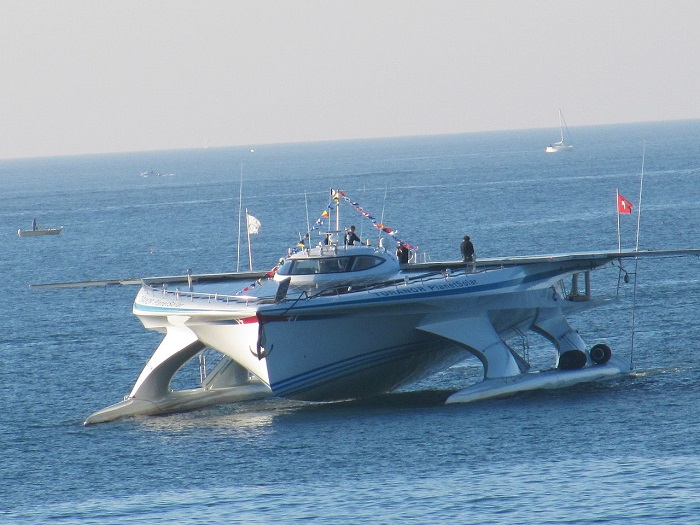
617	209
386	190
336	200
247	229
240	205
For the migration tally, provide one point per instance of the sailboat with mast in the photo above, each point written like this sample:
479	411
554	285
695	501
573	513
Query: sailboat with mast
561	145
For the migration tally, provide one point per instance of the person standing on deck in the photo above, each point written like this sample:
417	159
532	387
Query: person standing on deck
351	237
467	249
402	253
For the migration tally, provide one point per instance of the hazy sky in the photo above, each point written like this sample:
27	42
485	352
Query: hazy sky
100	76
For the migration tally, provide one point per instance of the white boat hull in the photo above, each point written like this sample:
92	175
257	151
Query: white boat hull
372	352
376	341
540	380
37	233
556	148
179	401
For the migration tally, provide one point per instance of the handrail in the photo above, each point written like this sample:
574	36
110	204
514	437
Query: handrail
208	296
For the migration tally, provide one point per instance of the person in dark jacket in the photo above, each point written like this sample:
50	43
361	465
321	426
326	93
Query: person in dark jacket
351	237
467	249
402	253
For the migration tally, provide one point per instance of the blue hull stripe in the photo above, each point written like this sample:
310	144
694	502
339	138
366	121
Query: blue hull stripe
335	371
349	363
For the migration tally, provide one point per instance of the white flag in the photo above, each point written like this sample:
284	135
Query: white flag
253	224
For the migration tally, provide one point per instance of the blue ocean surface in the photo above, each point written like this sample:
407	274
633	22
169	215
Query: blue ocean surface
625	451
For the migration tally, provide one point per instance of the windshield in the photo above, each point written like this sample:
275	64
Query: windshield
325	265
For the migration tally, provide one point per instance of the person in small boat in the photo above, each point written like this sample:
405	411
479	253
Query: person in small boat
402	253
467	249
351	237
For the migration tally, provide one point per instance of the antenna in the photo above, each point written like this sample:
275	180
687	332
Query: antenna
240	205
308	225
636	259
639	205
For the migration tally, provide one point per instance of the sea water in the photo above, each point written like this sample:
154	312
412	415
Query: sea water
626	451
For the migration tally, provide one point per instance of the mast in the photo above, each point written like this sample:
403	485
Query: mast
561	126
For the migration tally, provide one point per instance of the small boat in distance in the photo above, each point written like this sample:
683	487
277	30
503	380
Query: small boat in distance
561	145
36	230
151	173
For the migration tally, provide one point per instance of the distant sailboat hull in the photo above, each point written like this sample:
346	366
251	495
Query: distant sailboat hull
557	147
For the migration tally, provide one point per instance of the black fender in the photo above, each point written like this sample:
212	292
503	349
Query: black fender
600	354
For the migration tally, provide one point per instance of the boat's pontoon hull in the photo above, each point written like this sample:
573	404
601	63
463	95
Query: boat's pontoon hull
540	380
151	394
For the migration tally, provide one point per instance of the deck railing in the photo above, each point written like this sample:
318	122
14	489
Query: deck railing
335	289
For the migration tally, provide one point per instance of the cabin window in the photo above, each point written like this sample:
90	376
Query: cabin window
365	262
304	267
334	265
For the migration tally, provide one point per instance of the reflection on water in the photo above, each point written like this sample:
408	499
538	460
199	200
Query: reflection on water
248	419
